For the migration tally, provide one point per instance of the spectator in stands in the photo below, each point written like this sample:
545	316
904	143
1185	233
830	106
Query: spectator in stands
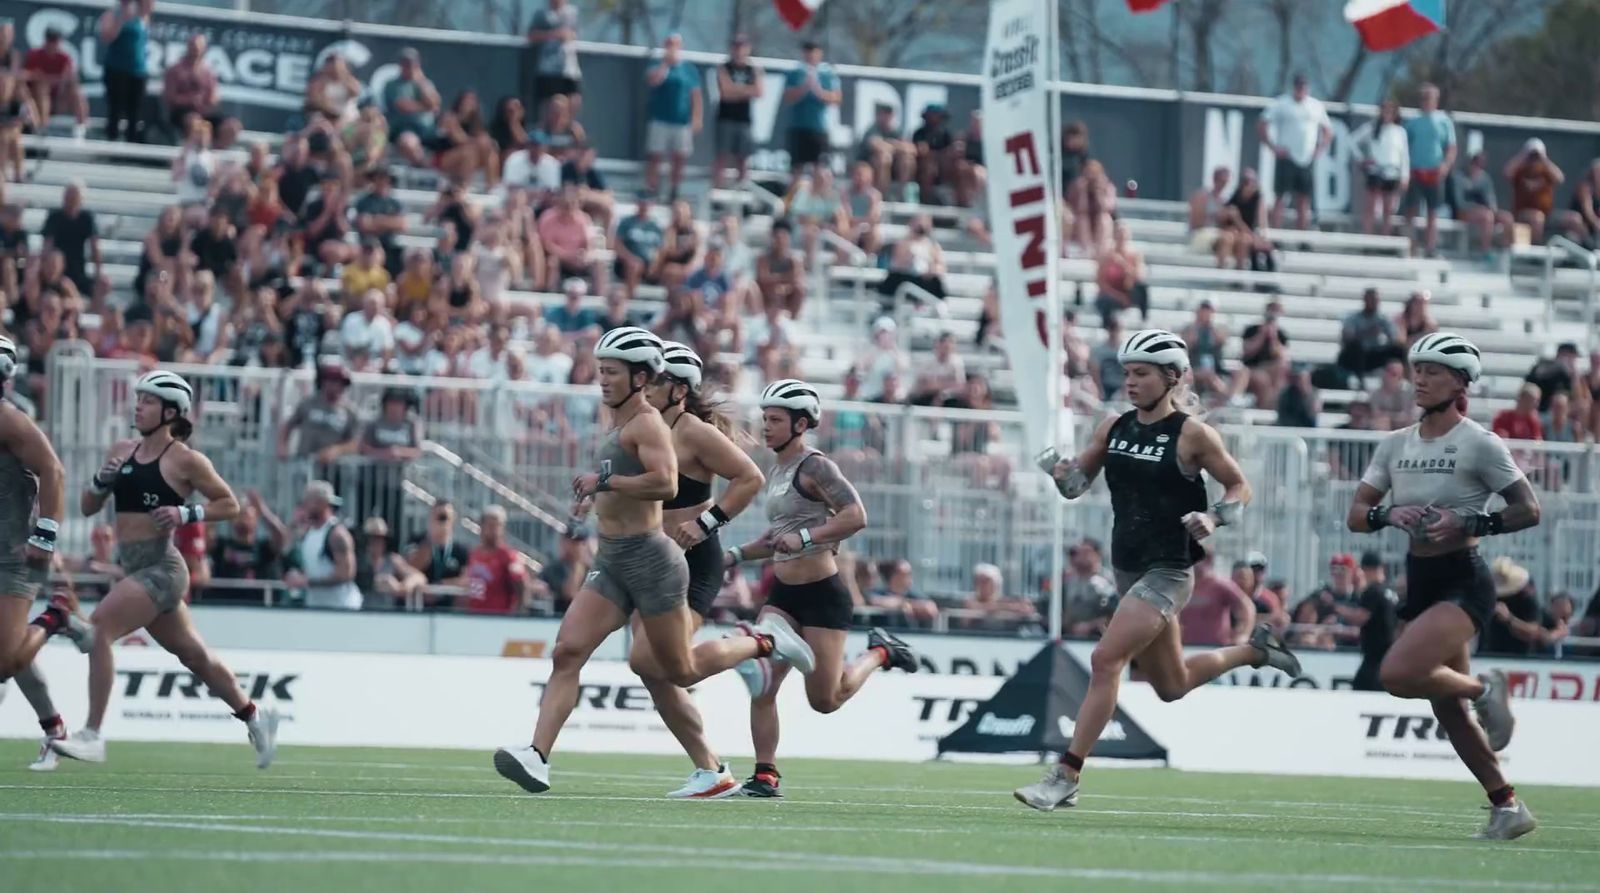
1218	612
1092	200
1375	614
125	31
1265	358
102	557
380	216
1393	401
1207	340
1560	424
916	259
1558	376
770	340
436	553
296	177
1521	422
1581	222
71	229
382	574
1339	591
1515	628
369	325
898	598
508	128
1104	367
1251	576
1415	319
190	87
561	578
814	202
1295	127
210	333
332	92
325	420
1477	206
1556	620
1534	177
52	76
550	363
1088	596
937	153
713	289
675	114
809	90
862	209
241	551
636	245
194	170
324	556
1385	158
971	176
571	317
1367	339
462	145
366	139
1209	229
998	611
884	149
216	248
1246	223
1120	277
680	245
1432	152
496	578
553	39
327	222
593	195
739	84
1299	404
780	276
1075	154
881	358
941	376
531	170
411	103
389	443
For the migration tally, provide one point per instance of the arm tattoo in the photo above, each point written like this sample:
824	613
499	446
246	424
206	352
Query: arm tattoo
828	482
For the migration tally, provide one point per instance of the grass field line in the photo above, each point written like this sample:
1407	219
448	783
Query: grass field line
1034	830
807	862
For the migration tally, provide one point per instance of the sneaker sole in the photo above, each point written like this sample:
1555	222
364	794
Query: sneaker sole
720	792
792	639
1069	802
264	758
512	769
755	796
82	759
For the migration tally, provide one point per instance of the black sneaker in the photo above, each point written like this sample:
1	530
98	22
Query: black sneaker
763	785
900	654
1274	653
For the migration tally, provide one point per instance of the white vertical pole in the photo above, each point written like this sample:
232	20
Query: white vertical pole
1052	167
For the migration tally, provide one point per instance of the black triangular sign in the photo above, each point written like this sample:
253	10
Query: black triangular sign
1034	710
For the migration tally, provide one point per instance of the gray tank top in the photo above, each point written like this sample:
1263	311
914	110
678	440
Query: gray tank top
19	488
614	457
789	510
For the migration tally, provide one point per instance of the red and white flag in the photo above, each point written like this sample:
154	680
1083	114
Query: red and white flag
797	13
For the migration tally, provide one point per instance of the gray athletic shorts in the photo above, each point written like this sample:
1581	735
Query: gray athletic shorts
19	580
668	139
158	567
1167	589
735	138
645	572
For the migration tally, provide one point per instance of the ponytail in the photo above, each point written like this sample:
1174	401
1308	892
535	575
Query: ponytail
714	411
1182	393
182	428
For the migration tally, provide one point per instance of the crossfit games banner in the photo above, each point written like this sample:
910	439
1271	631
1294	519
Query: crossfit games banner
1022	200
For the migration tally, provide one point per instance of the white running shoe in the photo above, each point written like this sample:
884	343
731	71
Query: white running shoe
1508	822
48	759
707	784
787	644
84	744
1493	709
263	729
1057	788
757	675
524	766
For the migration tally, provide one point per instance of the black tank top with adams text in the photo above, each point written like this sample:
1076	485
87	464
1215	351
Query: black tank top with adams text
1150	494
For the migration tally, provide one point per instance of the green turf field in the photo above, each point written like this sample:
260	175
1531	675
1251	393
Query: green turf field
201	818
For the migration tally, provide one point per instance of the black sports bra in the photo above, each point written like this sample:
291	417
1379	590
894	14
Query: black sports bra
690	491
140	488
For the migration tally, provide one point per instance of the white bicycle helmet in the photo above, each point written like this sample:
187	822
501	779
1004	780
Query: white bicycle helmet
167	386
8	357
631	344
682	363
792	393
1157	347
1450	350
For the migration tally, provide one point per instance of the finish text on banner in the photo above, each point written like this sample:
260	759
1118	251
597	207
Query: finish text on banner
1022	200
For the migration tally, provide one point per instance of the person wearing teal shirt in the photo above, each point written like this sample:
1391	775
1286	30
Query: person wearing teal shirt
808	91
126	33
1432	139
675	109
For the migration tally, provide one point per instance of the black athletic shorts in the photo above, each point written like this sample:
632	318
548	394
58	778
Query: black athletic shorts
705	573
806	146
1291	179
825	603
548	85
1459	578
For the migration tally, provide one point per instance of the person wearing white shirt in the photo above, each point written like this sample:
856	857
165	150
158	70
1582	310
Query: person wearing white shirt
530	167
551	364
489	362
369	326
1296	128
1385	153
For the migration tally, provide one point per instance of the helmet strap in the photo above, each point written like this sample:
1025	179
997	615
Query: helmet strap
1446	404
794	432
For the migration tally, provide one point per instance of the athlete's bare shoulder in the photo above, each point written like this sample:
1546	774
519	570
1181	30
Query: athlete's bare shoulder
1197	436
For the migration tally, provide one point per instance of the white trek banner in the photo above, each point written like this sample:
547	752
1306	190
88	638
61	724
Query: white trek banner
479	703
1022	200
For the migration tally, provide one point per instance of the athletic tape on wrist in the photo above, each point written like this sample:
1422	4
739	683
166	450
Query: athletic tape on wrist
805	537
1228	512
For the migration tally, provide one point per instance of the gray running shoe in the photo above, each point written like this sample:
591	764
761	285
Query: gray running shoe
1508	822
1493	708
1274	653
1057	788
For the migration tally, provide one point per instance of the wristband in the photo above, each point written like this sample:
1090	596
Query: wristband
1378	517
737	554
805	537
192	514
711	519
44	535
1480	524
1227	512
603	483
100	486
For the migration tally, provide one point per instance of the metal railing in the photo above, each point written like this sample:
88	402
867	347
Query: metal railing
1584	258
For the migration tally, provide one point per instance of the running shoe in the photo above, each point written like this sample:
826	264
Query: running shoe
1508	822
84	744
263	728
1274	653
900	655
48	759
1057	788
757	675
524	766
707	784
763	786
786	643
77	629
1494	709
